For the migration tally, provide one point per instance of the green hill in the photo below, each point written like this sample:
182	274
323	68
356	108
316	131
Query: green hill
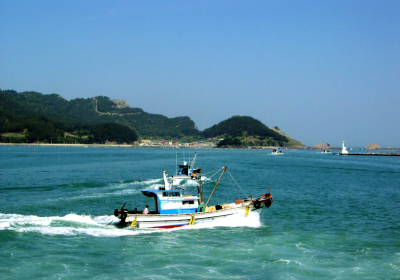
32	116
291	142
250	131
99	110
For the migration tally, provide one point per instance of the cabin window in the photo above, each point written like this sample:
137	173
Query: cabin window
171	194
188	202
184	169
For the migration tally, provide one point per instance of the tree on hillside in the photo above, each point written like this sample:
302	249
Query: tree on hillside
238	126
113	132
233	142
39	130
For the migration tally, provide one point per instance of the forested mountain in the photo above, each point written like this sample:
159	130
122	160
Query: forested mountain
245	127
37	121
99	110
147	125
32	116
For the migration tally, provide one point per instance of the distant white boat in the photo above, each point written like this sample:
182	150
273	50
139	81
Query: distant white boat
276	152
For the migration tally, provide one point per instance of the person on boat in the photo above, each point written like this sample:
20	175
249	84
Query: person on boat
146	210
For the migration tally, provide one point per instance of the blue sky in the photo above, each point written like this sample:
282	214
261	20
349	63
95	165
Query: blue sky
322	71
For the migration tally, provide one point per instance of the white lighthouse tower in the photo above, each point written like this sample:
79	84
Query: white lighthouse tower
344	149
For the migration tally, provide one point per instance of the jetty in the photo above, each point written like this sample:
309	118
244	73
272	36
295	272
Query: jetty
368	154
346	153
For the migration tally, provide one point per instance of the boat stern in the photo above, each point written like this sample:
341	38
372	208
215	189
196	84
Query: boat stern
264	200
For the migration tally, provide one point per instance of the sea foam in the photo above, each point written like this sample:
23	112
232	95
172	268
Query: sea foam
101	226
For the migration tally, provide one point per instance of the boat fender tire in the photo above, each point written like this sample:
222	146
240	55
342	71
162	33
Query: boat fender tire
218	207
268	203
257	204
116	211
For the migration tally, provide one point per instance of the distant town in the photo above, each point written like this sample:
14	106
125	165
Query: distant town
150	143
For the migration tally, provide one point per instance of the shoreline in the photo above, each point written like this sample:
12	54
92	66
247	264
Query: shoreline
100	146
134	146
65	145
165	147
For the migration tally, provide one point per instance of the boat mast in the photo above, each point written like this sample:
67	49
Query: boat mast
215	186
201	192
167	186
192	163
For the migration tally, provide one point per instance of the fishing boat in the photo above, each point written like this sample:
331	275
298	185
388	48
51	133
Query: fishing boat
187	171
276	152
175	208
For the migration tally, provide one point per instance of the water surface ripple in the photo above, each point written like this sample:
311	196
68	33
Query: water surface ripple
333	217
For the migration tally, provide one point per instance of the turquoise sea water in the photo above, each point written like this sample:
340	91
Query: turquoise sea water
333	217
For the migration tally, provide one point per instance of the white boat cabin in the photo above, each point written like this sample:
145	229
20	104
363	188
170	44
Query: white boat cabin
172	200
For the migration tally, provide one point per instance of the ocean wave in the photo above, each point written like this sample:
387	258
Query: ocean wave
123	188
69	225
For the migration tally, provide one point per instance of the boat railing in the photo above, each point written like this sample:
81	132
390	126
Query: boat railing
160	188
